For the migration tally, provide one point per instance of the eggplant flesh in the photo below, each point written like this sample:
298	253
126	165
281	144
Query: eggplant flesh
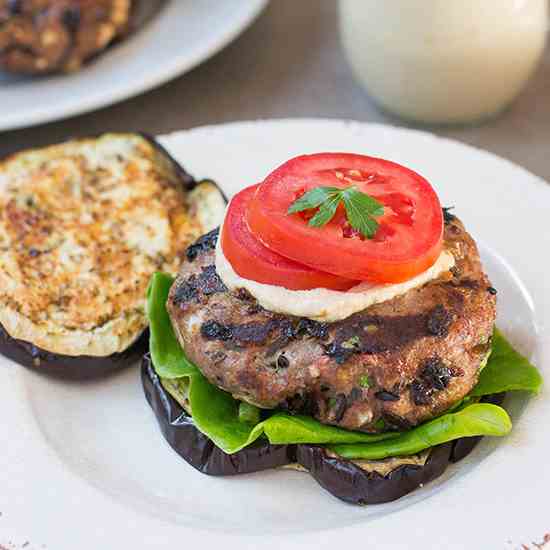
205	202
343	478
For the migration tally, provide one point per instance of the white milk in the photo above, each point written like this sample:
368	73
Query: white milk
443	61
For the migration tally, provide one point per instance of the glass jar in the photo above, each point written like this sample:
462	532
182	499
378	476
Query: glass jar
443	61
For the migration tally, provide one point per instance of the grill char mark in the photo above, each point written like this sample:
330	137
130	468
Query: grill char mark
198	286
203	244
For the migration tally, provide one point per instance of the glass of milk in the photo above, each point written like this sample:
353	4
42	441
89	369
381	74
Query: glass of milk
444	61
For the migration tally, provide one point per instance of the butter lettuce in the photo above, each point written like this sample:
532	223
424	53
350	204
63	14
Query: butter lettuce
506	370
477	419
232	425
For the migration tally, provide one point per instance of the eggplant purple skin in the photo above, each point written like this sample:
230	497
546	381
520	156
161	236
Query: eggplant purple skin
348	482
189	182
180	432
340	477
72	367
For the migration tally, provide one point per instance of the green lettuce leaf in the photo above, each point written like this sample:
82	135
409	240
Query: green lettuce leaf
285	428
168	357
478	419
506	370
233	425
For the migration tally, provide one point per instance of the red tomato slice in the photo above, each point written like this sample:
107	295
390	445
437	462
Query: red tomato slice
408	241
252	260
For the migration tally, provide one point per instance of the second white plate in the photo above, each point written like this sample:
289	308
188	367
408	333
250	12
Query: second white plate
182	35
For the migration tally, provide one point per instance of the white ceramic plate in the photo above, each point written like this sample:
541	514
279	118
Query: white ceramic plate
84	466
182	35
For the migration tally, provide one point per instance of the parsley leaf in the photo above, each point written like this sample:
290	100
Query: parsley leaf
360	207
313	199
326	211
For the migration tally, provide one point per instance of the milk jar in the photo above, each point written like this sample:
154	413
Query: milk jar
443	61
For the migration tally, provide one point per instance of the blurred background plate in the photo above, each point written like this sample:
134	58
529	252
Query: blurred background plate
182	35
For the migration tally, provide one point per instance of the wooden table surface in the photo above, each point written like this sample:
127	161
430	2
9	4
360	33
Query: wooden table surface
290	64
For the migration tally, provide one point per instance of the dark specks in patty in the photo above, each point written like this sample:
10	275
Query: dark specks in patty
253	333
207	283
447	216
212	330
257	333
384	395
420	394
434	376
469	284
187	292
375	334
338	353
355	395
313	329
203	244
301	404
282	361
439	321
210	282
244	295
340	406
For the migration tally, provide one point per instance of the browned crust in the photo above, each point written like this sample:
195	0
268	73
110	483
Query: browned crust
28	353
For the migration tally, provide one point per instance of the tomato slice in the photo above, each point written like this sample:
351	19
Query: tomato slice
252	260
409	238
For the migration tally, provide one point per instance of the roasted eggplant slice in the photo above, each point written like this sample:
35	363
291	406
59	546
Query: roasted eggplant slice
196	448
63	366
352	483
83	226
355	482
45	36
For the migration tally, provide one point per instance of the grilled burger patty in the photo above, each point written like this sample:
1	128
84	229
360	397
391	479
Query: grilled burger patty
83	226
393	365
40	36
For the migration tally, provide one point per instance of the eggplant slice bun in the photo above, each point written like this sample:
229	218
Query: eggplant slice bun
220	432
83	227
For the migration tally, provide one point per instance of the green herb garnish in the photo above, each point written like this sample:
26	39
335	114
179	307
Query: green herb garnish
360	208
364	381
351	343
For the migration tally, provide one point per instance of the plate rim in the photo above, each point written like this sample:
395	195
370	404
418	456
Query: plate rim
180	65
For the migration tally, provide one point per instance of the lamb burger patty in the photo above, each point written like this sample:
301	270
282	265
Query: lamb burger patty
393	365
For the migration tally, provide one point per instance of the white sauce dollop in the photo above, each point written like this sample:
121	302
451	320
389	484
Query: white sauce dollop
322	304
